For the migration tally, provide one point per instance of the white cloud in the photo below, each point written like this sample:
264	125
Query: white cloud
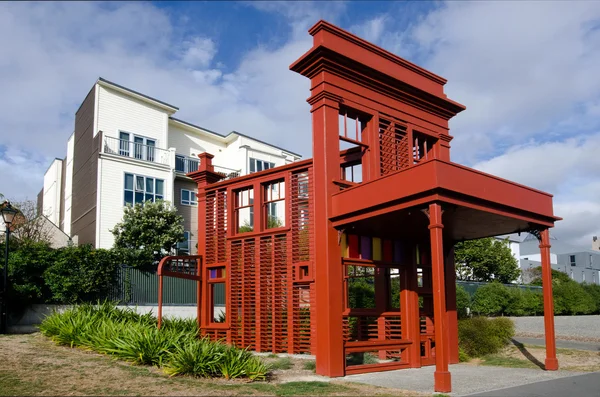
531	89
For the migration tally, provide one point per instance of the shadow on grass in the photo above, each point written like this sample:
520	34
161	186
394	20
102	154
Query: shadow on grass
528	355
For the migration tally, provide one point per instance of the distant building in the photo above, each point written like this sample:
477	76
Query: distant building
579	264
595	243
127	148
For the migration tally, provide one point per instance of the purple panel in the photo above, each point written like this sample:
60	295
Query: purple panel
365	247
397	251
213	273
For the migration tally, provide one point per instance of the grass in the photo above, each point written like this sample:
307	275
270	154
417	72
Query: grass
281	363
510	362
310	365
33	365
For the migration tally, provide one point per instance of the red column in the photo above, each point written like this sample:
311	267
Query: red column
551	361
442	375
328	269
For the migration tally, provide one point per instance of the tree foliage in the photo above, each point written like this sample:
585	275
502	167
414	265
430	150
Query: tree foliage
486	259
28	226
148	232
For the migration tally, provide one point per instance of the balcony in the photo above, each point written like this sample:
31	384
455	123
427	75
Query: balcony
135	150
186	164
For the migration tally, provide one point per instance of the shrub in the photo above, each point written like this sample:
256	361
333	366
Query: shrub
593	290
463	301
81	274
571	298
479	336
462	356
491	299
133	337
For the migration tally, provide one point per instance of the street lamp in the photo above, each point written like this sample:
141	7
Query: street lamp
8	215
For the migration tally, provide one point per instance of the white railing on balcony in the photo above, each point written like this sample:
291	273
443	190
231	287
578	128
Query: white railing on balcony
186	164
135	150
228	173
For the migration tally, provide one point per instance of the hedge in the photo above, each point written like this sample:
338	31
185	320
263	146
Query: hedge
570	298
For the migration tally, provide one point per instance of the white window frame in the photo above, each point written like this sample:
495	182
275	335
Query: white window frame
190	202
145	192
131	147
264	165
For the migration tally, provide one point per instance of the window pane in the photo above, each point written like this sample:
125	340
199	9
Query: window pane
150	142
185	196
245	221
159	186
128	181
137	147
149	196
252	165
139	197
158	197
124	136
149	185
275	214
259	165
193	199
139	183
128	197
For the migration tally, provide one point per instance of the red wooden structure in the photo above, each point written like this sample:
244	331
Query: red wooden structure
290	244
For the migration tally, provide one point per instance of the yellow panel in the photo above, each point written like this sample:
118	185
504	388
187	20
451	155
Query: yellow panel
418	254
344	246
377	255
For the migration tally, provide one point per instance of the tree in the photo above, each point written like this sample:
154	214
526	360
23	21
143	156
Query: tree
486	259
148	232
29	226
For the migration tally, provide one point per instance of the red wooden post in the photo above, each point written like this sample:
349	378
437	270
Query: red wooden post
328	279
442	375
551	363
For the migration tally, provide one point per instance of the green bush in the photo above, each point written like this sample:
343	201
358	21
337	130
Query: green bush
491	299
593	290
571	298
81	274
479	336
463	301
462	356
133	337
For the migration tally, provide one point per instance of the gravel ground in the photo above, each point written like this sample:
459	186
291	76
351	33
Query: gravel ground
466	379
582	328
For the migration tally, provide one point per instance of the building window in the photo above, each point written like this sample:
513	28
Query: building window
352	173
572	260
139	188
275	204
188	197
244	210
183	247
143	148
260	165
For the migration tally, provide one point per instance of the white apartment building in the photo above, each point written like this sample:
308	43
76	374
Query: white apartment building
126	148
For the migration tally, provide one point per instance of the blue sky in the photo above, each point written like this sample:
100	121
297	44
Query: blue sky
527	72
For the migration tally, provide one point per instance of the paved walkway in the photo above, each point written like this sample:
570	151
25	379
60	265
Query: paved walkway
561	344
573	386
466	379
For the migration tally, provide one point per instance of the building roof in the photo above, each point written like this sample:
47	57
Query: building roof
136	93
231	134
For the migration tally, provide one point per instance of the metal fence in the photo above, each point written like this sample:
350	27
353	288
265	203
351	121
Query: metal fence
472	286
137	287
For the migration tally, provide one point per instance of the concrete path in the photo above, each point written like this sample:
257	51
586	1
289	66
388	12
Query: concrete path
561	344
466	379
573	386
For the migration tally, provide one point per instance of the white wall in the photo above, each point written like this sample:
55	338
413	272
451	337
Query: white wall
190	143
111	193
52	191
68	185
117	111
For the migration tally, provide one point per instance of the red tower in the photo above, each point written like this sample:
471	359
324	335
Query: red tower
377	209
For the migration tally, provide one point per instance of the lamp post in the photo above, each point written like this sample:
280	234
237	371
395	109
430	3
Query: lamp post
8	215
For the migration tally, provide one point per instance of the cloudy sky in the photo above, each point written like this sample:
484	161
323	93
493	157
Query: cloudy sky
528	72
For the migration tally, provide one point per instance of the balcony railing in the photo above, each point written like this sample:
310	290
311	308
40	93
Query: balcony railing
228	173
186	164
135	150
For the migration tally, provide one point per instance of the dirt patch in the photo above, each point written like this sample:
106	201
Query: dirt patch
34	365
568	359
561	337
